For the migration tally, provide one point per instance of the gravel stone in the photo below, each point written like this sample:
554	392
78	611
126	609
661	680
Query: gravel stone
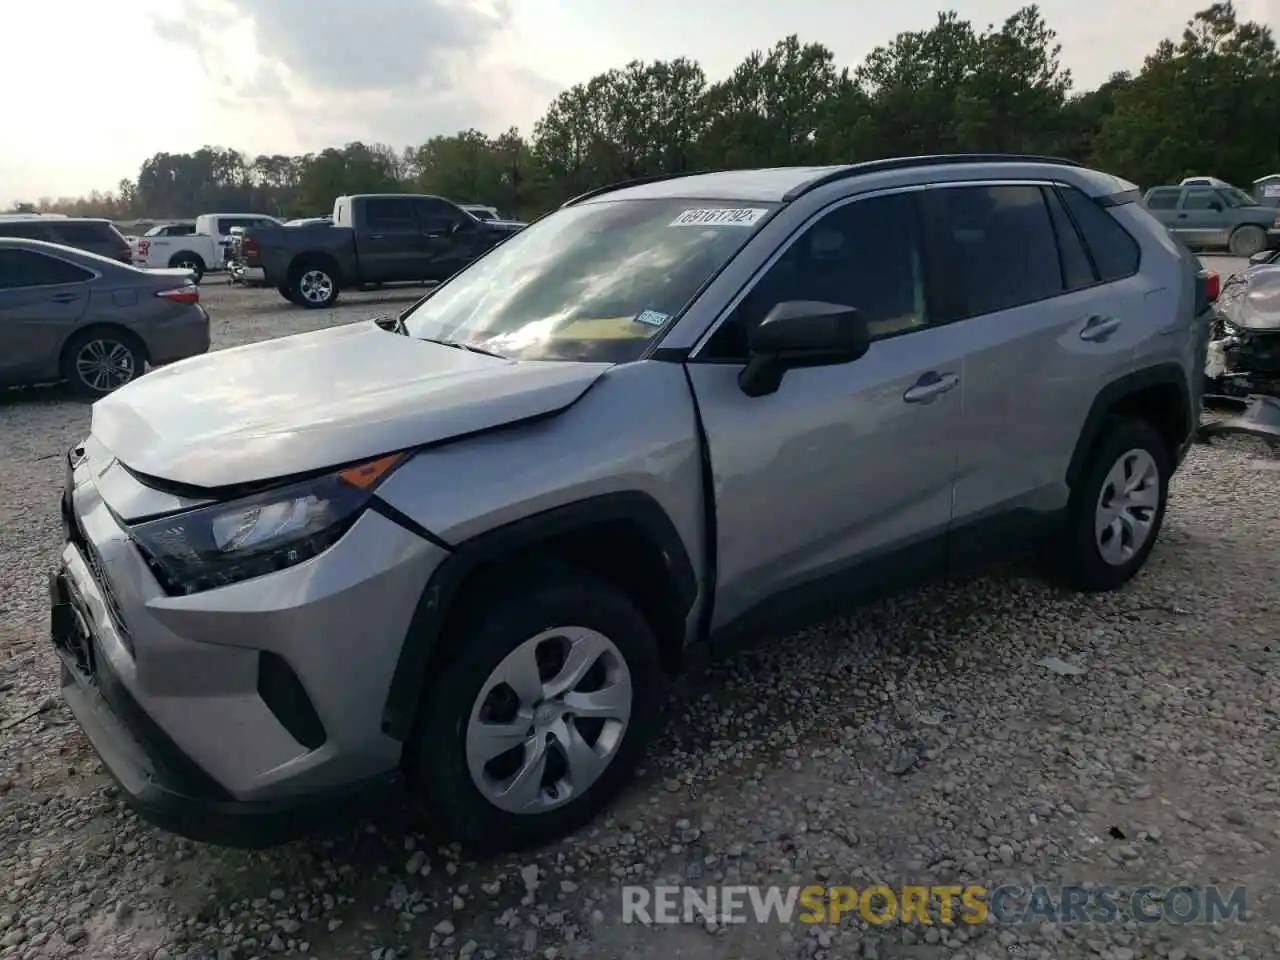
918	740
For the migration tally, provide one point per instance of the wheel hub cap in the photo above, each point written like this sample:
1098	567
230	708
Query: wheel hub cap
1127	505
549	720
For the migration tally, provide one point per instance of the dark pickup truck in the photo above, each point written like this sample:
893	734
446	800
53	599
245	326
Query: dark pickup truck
373	239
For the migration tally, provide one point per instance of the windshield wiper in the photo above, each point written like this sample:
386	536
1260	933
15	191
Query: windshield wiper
392	322
464	346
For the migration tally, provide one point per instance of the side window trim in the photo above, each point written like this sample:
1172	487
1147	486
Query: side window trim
1084	244
1061	188
695	354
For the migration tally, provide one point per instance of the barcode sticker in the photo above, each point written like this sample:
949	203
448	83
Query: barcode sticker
720	217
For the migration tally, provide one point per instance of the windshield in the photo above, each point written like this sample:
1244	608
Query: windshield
594	282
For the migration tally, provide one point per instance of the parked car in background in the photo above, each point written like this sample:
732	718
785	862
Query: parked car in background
1266	190
373	239
94	322
92	234
204	248
462	549
1206	217
182	229
481	212
1204	182
307	221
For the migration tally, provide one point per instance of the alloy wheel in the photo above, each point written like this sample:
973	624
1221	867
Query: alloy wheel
104	365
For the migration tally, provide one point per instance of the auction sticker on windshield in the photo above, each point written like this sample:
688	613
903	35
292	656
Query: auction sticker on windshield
720	217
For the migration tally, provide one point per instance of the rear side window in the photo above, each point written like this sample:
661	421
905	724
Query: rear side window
1114	253
390	212
1162	199
25	268
24	229
1077	271
1003	246
73	234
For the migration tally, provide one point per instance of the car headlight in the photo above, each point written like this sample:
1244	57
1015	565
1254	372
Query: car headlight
224	543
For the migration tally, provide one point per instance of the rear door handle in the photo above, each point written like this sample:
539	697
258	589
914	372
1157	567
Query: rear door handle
66	298
930	386
1099	328
377	236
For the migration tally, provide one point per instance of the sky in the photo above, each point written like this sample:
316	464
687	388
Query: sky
99	86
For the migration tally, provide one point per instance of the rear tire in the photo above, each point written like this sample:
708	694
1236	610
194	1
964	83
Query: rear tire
1248	240
531	618
96	362
1116	510
313	285
186	260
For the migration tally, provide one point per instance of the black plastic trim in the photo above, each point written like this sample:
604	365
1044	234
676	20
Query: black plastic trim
384	509
1119	199
410	675
907	163
1164	374
282	691
671	354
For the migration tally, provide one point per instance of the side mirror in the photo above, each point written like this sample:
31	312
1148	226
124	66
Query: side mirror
1263	256
801	333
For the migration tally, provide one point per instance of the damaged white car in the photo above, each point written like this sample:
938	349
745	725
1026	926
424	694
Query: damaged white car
1243	361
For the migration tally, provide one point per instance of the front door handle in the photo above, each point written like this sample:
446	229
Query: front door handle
1182	216
1099	328
66	298
930	386
377	236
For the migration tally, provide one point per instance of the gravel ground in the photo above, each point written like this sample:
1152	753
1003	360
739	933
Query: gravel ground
918	742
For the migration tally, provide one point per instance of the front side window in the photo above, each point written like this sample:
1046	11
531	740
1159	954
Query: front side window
1202	198
593	282
1004	246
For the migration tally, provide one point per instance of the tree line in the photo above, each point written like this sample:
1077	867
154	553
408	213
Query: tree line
1205	103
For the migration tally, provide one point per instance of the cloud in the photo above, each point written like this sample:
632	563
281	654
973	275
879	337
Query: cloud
332	71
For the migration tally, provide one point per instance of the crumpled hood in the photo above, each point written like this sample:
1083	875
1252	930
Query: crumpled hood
1252	300
317	400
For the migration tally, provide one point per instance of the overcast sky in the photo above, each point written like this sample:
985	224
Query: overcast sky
94	87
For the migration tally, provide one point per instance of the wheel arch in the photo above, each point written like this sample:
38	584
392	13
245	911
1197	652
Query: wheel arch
1159	394
652	567
182	254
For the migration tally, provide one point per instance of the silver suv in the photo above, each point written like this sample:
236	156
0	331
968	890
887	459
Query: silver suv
461	549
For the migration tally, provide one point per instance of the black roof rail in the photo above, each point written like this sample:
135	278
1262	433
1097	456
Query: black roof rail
906	163
623	184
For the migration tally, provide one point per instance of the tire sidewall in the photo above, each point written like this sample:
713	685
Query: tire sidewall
71	374
1120	435
197	267
534	601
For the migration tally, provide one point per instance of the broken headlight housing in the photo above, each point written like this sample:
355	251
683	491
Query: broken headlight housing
224	543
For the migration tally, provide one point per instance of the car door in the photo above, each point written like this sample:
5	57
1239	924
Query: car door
389	241
1045	327
41	298
1201	219
449	237
842	479
1163	204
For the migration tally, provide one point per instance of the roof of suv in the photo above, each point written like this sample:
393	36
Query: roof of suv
780	184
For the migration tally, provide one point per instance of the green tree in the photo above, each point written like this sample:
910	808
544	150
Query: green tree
1208	104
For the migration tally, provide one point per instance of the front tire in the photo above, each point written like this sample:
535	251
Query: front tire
1118	507
1248	240
96	362
541	714
313	285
